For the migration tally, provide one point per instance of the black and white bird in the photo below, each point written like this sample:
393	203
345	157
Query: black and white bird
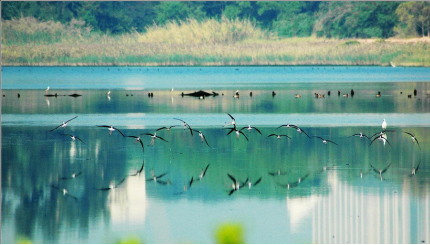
325	140
154	136
74	175
250	184
138	172
361	135
236	185
138	139
74	138
112	185
64	191
203	172
287	126
279	136
167	128
156	178
238	132
186	125
415	169
111	129
63	125
414	139
277	173
380	171
233	122
202	137
249	128
380	138
301	131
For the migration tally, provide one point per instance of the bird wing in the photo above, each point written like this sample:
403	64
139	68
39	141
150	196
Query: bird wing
104	126
272	135
205	140
243	135
418	143
206	169
374	169
304	133
161	175
141	168
120	182
231	116
231	130
161	138
119	131
55	128
78	174
331	142
257	130
285	135
70	119
258	181
383	171
161	128
80	140
180	120
232	178
191	182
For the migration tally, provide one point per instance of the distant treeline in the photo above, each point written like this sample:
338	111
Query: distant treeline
286	19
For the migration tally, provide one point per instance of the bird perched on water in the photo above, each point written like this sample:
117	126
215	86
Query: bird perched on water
384	125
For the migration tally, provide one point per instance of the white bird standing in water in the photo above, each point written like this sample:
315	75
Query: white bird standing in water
384	125
46	90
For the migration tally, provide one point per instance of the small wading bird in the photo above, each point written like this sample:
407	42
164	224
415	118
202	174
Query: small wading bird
236	185
63	125
380	171
203	173
384	125
279	136
64	191
46	90
249	128
324	140
138	139
112	185
156	179
74	138
154	136
414	139
202	137
111	129
186	125
361	135
74	175
238	132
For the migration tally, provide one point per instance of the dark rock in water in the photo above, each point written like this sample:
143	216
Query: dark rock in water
201	93
19	95
75	95
328	93
250	94
273	93
352	92
51	95
415	92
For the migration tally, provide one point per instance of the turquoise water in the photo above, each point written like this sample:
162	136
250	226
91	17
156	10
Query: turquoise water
333	203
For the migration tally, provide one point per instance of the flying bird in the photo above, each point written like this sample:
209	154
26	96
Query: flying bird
277	173
324	140
287	126
74	175
203	173
238	132
233	122
301	131
74	138
250	184
279	136
236	185
380	171
154	136
138	139
415	169
186	125
64	191
111	129
380	138
156	179
167	128
202	137
361	135
63	125
138	172
249	128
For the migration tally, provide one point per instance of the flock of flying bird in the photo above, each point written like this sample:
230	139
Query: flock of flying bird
236	184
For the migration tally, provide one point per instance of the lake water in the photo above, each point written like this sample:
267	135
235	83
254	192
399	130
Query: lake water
341	196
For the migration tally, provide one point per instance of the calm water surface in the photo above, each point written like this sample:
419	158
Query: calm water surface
341	197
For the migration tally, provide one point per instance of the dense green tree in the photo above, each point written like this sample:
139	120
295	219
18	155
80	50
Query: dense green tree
415	17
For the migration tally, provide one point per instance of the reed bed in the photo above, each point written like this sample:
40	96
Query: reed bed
193	43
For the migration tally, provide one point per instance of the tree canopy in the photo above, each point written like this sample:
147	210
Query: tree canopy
339	19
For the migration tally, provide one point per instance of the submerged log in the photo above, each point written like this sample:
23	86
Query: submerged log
201	93
75	95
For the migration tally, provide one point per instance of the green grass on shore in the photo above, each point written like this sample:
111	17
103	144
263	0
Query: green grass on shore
192	43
